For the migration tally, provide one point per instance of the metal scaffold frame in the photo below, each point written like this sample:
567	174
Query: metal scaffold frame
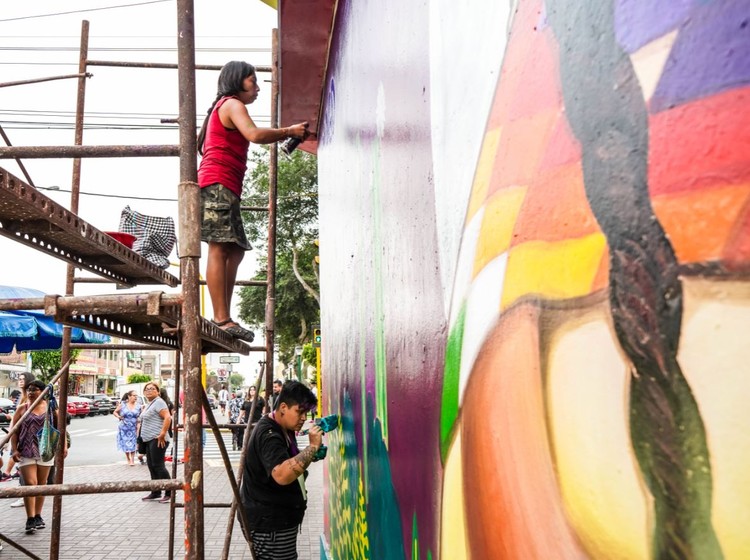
158	320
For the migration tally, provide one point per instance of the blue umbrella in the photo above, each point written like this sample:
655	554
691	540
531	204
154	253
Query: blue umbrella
33	330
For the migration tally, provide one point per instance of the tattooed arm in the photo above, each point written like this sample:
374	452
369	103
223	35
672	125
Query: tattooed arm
291	469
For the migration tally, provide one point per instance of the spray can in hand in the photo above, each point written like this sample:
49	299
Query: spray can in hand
289	145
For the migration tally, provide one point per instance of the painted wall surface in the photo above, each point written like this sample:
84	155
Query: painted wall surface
535	237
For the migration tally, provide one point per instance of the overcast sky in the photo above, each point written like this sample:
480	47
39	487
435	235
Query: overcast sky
123	106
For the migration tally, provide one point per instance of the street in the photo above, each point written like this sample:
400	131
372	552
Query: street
94	441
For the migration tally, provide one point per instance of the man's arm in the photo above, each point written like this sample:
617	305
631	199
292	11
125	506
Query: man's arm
291	469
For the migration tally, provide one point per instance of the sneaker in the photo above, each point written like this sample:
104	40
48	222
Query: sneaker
5	477
39	522
16	475
30	526
165	500
151	496
17	503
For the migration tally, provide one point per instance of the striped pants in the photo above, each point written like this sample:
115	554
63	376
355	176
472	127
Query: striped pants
279	545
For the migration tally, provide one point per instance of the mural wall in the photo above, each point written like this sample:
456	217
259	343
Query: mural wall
535	230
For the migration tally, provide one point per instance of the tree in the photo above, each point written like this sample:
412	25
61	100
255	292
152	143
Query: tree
48	362
297	282
236	380
138	378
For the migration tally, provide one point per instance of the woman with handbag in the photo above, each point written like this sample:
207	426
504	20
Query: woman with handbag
27	454
127	412
154	432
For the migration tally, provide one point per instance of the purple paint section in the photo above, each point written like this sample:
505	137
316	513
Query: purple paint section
379	242
638	22
699	65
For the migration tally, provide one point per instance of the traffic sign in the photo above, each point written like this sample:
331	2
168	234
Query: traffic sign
317	336
229	359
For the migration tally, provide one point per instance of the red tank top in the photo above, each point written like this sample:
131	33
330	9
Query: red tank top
224	154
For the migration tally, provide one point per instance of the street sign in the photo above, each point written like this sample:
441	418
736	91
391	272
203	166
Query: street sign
229	359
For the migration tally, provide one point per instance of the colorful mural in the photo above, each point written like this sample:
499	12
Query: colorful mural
565	376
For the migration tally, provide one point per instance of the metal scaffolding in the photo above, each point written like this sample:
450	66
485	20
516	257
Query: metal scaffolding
155	320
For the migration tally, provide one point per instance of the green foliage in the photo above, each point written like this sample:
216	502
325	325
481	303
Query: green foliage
236	380
139	378
308	354
297	229
46	363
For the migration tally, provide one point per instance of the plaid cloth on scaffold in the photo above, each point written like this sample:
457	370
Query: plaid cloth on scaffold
155	236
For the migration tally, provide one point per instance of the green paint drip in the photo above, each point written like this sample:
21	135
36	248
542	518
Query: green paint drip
451	377
381	392
414	538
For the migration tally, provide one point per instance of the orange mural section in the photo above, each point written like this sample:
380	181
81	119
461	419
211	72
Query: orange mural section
512	481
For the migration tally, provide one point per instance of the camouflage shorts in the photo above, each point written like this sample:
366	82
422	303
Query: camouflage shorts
221	221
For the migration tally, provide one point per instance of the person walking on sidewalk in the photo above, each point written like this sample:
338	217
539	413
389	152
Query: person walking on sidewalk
223	141
127	412
24	378
223	398
154	431
25	444
273	484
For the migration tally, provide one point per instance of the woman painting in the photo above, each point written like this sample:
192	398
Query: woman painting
25	444
127	412
154	431
223	142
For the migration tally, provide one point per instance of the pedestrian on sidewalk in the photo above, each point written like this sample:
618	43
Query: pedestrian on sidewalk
24	378
25	444
273	483
223	398
127	413
154	431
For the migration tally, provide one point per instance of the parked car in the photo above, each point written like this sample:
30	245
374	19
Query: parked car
78	406
101	403
8	407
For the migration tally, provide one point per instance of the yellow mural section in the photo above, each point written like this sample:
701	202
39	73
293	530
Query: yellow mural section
484	172
453	522
496	231
559	270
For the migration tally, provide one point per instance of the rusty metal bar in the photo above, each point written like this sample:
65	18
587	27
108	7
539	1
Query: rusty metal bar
175	453
189	209
50	79
20	164
272	202
17	546
243	283
116	487
161	65
123	303
63	152
75	190
254	208
113	346
215	505
243	456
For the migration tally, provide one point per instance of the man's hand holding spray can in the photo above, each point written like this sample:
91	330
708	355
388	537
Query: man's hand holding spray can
326	424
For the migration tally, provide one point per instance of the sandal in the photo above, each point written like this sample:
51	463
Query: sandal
235	330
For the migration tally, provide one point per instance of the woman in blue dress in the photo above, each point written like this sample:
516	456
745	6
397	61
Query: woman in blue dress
127	412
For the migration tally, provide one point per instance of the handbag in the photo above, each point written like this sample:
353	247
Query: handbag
141	445
49	437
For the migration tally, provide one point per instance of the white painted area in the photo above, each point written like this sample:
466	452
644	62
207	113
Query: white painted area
465	265
482	311
649	61
467	43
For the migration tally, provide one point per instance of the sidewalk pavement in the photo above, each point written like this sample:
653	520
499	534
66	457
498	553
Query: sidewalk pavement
104	526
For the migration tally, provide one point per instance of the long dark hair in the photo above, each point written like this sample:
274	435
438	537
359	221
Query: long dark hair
230	83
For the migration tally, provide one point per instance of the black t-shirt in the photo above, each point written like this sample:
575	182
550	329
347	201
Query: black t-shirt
247	405
269	505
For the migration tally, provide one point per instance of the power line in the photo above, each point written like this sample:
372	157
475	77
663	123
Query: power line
86	10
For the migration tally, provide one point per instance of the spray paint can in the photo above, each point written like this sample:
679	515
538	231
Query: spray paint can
289	145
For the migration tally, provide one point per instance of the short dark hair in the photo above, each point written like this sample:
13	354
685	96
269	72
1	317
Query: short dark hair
36	383
278	382
294	392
